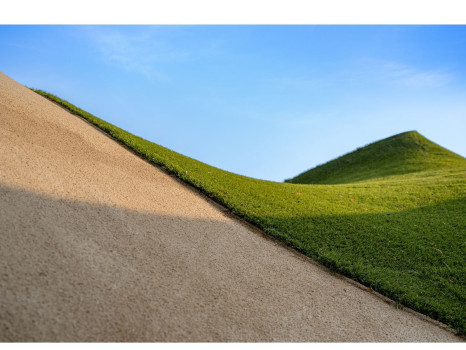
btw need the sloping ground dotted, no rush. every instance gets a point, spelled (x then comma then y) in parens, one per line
(402, 235)
(404, 153)
(98, 245)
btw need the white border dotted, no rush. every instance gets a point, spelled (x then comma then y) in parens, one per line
(233, 12)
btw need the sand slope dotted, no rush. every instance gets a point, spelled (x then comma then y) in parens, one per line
(98, 245)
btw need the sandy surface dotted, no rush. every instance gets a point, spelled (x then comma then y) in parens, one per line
(98, 245)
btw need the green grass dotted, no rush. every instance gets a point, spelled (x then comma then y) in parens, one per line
(404, 153)
(402, 234)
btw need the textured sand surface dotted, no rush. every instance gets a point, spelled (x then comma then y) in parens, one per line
(98, 245)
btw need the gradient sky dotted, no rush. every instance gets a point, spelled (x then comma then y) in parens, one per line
(263, 101)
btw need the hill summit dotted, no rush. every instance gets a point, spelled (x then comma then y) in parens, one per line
(403, 153)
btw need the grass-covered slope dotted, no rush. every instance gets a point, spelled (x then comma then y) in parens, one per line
(403, 235)
(400, 154)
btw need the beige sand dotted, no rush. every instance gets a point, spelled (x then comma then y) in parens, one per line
(98, 245)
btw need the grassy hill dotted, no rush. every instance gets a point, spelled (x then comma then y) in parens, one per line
(404, 153)
(402, 235)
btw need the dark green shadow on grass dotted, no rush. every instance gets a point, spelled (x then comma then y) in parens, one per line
(374, 249)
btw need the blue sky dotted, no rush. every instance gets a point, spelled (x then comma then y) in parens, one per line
(263, 101)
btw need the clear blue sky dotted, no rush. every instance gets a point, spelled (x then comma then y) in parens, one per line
(263, 101)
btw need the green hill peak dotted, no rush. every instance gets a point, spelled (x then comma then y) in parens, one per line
(403, 153)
